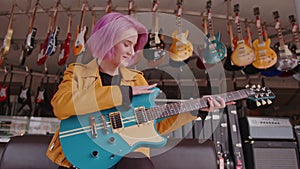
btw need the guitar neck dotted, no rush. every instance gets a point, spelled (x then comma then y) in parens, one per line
(11, 16)
(279, 33)
(190, 105)
(210, 25)
(33, 16)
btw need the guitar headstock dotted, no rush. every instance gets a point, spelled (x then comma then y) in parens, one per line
(276, 15)
(208, 4)
(292, 19)
(236, 8)
(261, 95)
(256, 11)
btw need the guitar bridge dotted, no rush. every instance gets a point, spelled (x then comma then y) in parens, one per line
(116, 120)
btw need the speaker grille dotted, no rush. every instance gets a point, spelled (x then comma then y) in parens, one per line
(275, 158)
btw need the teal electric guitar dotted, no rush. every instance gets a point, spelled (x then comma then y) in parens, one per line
(215, 51)
(100, 139)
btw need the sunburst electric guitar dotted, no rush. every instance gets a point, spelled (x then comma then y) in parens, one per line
(100, 139)
(265, 57)
(181, 49)
(243, 54)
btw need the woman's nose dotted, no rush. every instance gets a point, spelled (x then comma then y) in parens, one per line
(131, 51)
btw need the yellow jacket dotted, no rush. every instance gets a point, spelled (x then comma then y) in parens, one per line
(81, 92)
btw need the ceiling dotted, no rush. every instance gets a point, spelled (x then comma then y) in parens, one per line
(192, 11)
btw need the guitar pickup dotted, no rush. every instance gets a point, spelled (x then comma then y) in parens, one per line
(93, 127)
(116, 120)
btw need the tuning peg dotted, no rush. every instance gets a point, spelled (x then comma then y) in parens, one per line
(259, 86)
(263, 102)
(269, 101)
(258, 103)
(247, 86)
(256, 96)
(261, 94)
(263, 88)
(253, 86)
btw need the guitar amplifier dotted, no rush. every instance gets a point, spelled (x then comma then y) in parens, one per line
(271, 154)
(266, 128)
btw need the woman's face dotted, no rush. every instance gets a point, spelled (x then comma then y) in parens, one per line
(124, 48)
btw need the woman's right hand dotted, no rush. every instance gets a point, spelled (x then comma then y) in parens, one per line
(136, 90)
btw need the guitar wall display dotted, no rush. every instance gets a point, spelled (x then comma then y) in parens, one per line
(29, 43)
(52, 40)
(7, 40)
(81, 32)
(102, 138)
(286, 60)
(265, 57)
(215, 51)
(65, 47)
(181, 49)
(243, 54)
(154, 50)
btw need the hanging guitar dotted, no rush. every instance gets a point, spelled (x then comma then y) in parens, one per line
(295, 48)
(40, 95)
(228, 64)
(265, 57)
(181, 49)
(43, 45)
(4, 87)
(215, 51)
(81, 31)
(7, 40)
(249, 69)
(5, 105)
(272, 71)
(28, 45)
(286, 60)
(52, 40)
(102, 138)
(65, 47)
(154, 49)
(24, 97)
(243, 54)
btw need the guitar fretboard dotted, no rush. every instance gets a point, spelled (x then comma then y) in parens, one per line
(186, 106)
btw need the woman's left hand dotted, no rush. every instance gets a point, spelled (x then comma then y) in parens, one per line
(215, 104)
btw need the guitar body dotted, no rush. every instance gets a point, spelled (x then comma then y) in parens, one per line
(286, 60)
(243, 54)
(64, 50)
(3, 93)
(215, 51)
(265, 56)
(41, 58)
(29, 43)
(79, 44)
(104, 151)
(181, 49)
(6, 44)
(228, 64)
(52, 43)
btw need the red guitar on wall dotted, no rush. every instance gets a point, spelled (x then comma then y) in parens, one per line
(65, 47)
(4, 87)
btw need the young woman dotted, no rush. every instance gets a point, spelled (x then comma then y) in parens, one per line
(105, 82)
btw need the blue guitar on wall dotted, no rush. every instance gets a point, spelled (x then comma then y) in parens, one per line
(100, 139)
(215, 51)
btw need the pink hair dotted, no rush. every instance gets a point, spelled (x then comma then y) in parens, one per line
(108, 28)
